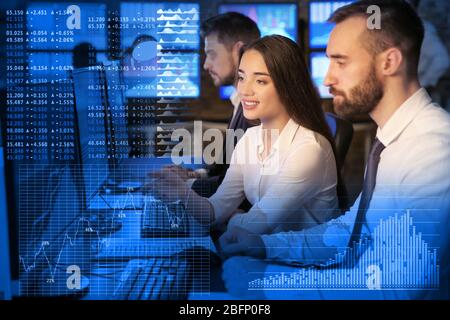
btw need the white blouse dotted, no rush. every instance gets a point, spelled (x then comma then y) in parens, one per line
(293, 188)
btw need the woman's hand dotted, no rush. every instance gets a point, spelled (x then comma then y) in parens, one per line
(183, 173)
(167, 185)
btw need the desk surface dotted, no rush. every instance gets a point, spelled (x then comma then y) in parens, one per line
(102, 275)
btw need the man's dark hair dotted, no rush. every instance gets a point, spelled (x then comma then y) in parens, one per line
(401, 27)
(230, 28)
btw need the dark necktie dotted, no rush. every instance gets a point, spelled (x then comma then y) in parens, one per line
(368, 186)
(233, 122)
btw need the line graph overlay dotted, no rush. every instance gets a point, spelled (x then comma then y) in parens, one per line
(55, 232)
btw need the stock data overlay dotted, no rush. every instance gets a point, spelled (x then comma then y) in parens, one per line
(97, 98)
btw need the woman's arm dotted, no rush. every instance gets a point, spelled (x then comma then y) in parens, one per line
(168, 186)
(199, 208)
(305, 173)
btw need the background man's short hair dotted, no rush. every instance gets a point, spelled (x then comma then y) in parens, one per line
(401, 27)
(230, 28)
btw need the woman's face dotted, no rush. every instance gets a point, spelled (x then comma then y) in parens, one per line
(256, 89)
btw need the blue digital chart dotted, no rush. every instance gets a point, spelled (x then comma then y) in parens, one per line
(395, 257)
(271, 18)
(165, 39)
(93, 93)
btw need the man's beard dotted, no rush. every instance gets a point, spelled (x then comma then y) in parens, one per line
(362, 99)
(228, 80)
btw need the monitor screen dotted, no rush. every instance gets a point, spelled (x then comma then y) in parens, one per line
(52, 66)
(48, 141)
(319, 28)
(177, 24)
(5, 235)
(160, 43)
(91, 123)
(59, 25)
(271, 18)
(319, 66)
(50, 215)
(117, 112)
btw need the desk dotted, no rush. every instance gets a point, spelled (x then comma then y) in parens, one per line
(67, 248)
(105, 273)
(79, 250)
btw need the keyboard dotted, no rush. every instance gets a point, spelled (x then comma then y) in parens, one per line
(117, 248)
(161, 220)
(156, 278)
(130, 201)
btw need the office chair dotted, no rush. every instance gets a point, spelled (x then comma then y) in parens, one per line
(342, 131)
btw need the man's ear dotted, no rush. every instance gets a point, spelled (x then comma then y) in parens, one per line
(236, 49)
(391, 61)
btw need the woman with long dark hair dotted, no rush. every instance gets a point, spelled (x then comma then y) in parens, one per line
(286, 166)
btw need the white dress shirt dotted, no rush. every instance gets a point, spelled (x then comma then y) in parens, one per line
(235, 101)
(413, 174)
(293, 188)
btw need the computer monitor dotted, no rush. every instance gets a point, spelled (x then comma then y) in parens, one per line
(51, 225)
(5, 263)
(40, 193)
(319, 28)
(160, 47)
(319, 63)
(91, 123)
(271, 18)
(53, 136)
(116, 112)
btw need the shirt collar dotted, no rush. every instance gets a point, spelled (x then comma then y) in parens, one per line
(234, 98)
(284, 139)
(403, 116)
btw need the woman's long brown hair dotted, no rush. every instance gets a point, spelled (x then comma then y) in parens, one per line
(290, 75)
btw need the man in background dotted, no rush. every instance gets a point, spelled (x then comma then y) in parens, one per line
(224, 36)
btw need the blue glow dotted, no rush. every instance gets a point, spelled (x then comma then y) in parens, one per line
(168, 64)
(271, 18)
(319, 63)
(47, 26)
(319, 28)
